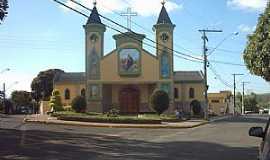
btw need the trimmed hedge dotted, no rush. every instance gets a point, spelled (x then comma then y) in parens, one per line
(78, 104)
(159, 101)
(100, 119)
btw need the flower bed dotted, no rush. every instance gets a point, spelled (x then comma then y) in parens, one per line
(102, 118)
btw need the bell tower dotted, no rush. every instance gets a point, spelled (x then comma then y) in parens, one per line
(164, 49)
(94, 51)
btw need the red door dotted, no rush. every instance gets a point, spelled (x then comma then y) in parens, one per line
(129, 100)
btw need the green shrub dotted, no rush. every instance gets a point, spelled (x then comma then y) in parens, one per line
(113, 112)
(55, 101)
(78, 104)
(159, 101)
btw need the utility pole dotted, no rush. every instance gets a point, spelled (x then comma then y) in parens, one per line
(234, 87)
(205, 39)
(4, 97)
(243, 98)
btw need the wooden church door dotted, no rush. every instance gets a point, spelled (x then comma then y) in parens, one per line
(129, 99)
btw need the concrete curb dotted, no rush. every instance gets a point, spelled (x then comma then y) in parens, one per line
(221, 118)
(109, 125)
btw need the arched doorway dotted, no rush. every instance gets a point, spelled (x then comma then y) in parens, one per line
(196, 108)
(129, 100)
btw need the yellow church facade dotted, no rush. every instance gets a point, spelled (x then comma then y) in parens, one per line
(127, 76)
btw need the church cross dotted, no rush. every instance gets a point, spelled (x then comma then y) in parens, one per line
(129, 14)
(163, 2)
(95, 2)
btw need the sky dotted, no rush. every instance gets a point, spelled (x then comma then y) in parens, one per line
(40, 34)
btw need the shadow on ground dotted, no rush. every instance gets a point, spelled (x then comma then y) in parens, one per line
(38, 145)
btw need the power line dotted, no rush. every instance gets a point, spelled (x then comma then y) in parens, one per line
(221, 42)
(226, 63)
(219, 77)
(108, 19)
(226, 50)
(145, 29)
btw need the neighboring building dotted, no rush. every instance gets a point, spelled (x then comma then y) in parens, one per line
(128, 75)
(221, 103)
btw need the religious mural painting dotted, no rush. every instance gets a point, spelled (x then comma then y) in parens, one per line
(94, 91)
(94, 58)
(129, 62)
(165, 66)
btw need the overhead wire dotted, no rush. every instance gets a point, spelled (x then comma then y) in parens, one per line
(108, 19)
(187, 56)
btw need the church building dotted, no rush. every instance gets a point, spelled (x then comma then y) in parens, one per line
(127, 76)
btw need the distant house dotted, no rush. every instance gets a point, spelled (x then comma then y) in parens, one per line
(221, 103)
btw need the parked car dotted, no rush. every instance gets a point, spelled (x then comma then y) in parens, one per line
(264, 148)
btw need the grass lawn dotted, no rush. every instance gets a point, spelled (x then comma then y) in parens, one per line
(98, 117)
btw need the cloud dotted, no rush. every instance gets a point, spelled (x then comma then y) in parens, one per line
(142, 7)
(245, 28)
(250, 5)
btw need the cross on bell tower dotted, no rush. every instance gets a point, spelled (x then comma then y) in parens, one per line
(129, 14)
(163, 2)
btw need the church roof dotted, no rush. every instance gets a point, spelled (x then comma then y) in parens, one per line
(94, 17)
(79, 77)
(188, 76)
(70, 77)
(163, 17)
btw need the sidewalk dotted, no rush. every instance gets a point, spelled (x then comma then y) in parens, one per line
(52, 120)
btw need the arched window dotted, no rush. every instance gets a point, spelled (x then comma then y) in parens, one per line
(191, 93)
(176, 93)
(83, 92)
(67, 94)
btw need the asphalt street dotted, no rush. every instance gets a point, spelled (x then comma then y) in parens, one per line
(225, 139)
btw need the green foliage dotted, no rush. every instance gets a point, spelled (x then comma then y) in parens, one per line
(257, 51)
(55, 101)
(196, 107)
(1, 106)
(263, 105)
(78, 104)
(43, 83)
(159, 101)
(250, 103)
(8, 106)
(113, 112)
(21, 98)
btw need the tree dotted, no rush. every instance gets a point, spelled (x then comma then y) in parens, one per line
(159, 101)
(55, 101)
(8, 106)
(3, 9)
(250, 103)
(21, 98)
(257, 52)
(42, 85)
(78, 104)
